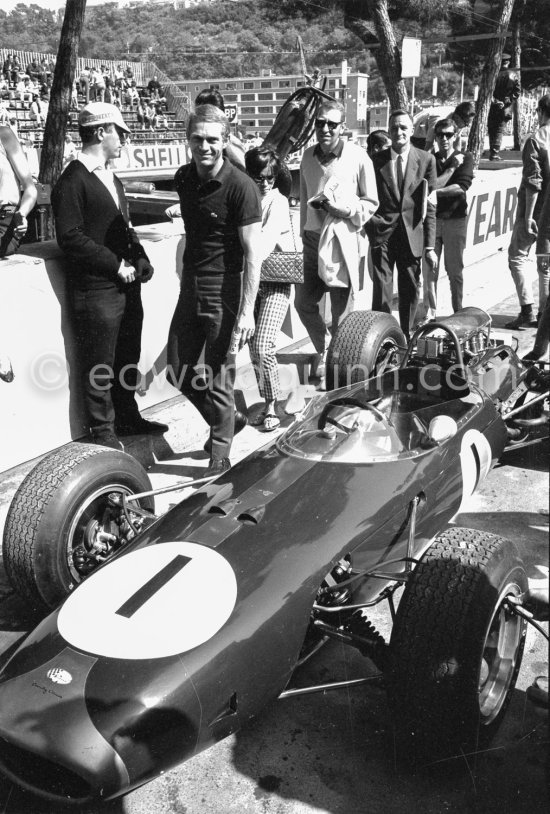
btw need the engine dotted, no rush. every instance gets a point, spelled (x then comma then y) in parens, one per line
(435, 342)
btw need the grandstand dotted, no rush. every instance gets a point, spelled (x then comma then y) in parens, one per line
(18, 111)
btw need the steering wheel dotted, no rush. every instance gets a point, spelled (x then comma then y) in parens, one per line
(365, 405)
(327, 419)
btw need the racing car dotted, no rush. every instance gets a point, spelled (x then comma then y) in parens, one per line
(166, 634)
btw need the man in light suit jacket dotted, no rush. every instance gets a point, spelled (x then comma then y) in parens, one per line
(106, 266)
(402, 229)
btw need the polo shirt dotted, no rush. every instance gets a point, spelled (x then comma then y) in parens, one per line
(326, 158)
(212, 212)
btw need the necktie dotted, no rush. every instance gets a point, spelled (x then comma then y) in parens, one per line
(399, 169)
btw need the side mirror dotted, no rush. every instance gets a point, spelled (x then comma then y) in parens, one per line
(441, 428)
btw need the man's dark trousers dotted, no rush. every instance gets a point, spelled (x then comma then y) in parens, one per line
(204, 317)
(396, 251)
(108, 326)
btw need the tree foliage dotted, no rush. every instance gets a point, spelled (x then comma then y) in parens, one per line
(226, 38)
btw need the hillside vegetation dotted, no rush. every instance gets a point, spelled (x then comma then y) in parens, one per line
(229, 38)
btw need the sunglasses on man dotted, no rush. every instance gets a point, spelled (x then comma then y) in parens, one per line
(320, 123)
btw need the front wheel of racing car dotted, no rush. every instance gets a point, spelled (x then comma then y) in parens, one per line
(365, 344)
(456, 647)
(66, 518)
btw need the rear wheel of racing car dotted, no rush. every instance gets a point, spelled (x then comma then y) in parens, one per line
(365, 343)
(66, 518)
(456, 648)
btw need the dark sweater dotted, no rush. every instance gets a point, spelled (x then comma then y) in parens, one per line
(455, 206)
(92, 232)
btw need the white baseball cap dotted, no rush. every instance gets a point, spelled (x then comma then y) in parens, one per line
(96, 113)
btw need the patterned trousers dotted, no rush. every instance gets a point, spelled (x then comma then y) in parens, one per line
(269, 312)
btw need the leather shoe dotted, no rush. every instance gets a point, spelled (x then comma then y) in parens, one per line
(6, 370)
(106, 438)
(525, 319)
(239, 423)
(217, 466)
(141, 426)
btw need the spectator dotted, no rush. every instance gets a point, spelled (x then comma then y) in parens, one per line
(4, 89)
(33, 70)
(272, 301)
(132, 95)
(39, 110)
(155, 89)
(150, 115)
(16, 69)
(507, 88)
(111, 95)
(44, 72)
(403, 227)
(69, 150)
(160, 121)
(348, 169)
(145, 114)
(120, 82)
(17, 192)
(532, 189)
(25, 90)
(8, 69)
(74, 96)
(97, 85)
(214, 309)
(4, 112)
(455, 172)
(106, 265)
(424, 123)
(377, 141)
(234, 149)
(84, 80)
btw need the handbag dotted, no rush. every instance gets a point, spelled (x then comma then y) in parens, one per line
(283, 267)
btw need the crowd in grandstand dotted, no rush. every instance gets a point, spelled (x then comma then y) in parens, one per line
(25, 88)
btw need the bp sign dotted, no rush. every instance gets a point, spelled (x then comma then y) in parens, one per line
(231, 112)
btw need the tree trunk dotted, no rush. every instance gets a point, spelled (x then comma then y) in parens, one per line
(51, 160)
(488, 78)
(387, 54)
(516, 64)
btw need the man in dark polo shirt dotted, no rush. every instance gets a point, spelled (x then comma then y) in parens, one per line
(221, 210)
(455, 172)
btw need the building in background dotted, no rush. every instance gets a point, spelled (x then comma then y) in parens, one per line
(258, 99)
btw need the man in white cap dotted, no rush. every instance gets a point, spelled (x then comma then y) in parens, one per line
(106, 266)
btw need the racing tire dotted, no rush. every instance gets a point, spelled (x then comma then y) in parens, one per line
(365, 343)
(57, 506)
(456, 648)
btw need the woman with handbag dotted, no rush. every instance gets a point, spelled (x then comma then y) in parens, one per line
(265, 168)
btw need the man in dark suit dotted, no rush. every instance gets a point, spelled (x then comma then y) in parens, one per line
(402, 229)
(507, 89)
(106, 266)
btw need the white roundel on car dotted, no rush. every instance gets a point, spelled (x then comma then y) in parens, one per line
(475, 462)
(151, 603)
